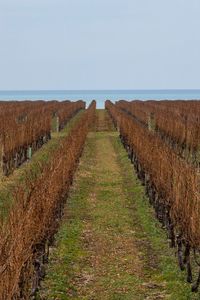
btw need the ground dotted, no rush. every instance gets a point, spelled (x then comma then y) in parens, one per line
(110, 246)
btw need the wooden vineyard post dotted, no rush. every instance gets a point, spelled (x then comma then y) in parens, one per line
(151, 122)
(29, 152)
(118, 124)
(57, 123)
(1, 157)
(198, 159)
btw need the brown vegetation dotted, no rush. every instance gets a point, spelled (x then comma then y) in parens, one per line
(28, 124)
(26, 235)
(171, 183)
(176, 122)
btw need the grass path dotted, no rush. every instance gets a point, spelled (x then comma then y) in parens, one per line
(103, 121)
(110, 247)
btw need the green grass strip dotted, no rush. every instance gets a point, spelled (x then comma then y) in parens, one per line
(68, 253)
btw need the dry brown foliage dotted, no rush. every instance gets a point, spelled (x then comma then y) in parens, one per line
(28, 123)
(177, 121)
(36, 212)
(176, 182)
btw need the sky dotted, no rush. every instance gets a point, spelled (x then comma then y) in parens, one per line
(99, 44)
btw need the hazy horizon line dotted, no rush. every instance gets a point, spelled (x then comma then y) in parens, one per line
(93, 90)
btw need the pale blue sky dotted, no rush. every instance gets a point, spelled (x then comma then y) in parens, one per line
(99, 44)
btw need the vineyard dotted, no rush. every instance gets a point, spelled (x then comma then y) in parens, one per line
(26, 126)
(75, 219)
(162, 141)
(29, 224)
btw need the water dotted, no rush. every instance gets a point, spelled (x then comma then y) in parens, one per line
(101, 96)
